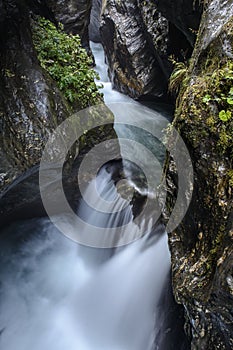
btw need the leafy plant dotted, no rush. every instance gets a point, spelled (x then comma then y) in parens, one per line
(178, 76)
(62, 56)
(220, 99)
(224, 115)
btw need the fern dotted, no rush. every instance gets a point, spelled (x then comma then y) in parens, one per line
(177, 77)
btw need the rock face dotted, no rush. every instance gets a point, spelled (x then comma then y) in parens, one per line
(74, 15)
(184, 14)
(31, 107)
(94, 27)
(135, 36)
(201, 247)
(138, 38)
(30, 104)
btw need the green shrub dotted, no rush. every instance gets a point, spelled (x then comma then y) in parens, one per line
(62, 56)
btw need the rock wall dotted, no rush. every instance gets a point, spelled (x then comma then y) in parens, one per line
(138, 38)
(94, 27)
(184, 14)
(74, 15)
(201, 247)
(31, 105)
(135, 66)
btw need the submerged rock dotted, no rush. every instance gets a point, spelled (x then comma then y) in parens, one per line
(201, 247)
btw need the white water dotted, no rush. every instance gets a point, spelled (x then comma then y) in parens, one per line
(58, 295)
(54, 298)
(110, 95)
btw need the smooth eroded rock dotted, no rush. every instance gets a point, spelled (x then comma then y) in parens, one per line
(94, 27)
(74, 15)
(135, 39)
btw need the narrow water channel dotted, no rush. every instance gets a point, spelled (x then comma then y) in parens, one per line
(56, 294)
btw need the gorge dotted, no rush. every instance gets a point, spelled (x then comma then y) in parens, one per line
(148, 45)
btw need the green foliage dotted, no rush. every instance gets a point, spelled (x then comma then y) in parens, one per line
(206, 98)
(224, 115)
(221, 95)
(221, 81)
(62, 56)
(220, 98)
(230, 175)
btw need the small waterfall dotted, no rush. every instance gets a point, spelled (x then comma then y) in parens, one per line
(56, 294)
(110, 95)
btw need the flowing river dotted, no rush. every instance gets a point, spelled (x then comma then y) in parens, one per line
(56, 294)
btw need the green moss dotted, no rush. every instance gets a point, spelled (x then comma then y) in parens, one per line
(62, 56)
(230, 176)
(207, 107)
(220, 99)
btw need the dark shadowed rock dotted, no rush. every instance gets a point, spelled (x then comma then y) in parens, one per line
(30, 103)
(184, 14)
(138, 38)
(74, 15)
(94, 27)
(135, 39)
(31, 107)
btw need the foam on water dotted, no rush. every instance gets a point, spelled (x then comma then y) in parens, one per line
(56, 294)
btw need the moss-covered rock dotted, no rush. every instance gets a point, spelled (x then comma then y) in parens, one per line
(33, 102)
(63, 57)
(201, 247)
(31, 105)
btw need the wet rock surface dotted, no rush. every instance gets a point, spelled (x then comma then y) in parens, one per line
(201, 247)
(94, 27)
(74, 15)
(184, 14)
(30, 103)
(138, 38)
(31, 107)
(135, 66)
